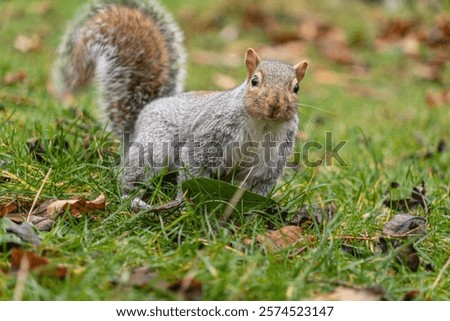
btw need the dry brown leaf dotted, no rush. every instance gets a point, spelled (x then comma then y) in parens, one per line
(77, 207)
(14, 77)
(342, 293)
(37, 263)
(34, 259)
(24, 43)
(7, 208)
(44, 216)
(284, 237)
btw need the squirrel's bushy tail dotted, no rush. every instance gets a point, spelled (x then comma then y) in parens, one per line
(134, 50)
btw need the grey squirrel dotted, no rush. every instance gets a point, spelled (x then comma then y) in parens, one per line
(134, 50)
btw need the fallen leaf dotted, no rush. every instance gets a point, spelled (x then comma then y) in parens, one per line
(77, 207)
(14, 77)
(284, 237)
(35, 260)
(44, 216)
(342, 293)
(37, 263)
(416, 199)
(402, 225)
(189, 289)
(24, 43)
(7, 208)
(23, 230)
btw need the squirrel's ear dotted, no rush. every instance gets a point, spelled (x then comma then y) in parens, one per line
(300, 70)
(252, 61)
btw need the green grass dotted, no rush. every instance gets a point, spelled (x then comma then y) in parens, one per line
(382, 129)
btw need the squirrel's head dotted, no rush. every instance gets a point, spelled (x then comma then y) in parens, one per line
(272, 88)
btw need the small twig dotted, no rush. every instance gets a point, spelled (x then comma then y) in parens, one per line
(297, 252)
(441, 273)
(38, 194)
(22, 275)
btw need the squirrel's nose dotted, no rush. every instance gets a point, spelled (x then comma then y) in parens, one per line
(275, 101)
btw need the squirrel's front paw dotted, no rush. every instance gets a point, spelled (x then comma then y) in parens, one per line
(137, 204)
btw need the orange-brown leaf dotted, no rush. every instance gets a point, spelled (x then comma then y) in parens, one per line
(34, 259)
(37, 263)
(14, 77)
(7, 208)
(77, 207)
(284, 237)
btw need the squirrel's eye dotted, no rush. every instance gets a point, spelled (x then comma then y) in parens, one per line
(255, 81)
(296, 88)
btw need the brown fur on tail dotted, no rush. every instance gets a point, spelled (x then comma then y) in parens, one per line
(133, 50)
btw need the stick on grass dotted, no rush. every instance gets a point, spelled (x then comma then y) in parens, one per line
(38, 193)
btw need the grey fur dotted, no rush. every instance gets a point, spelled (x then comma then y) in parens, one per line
(219, 118)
